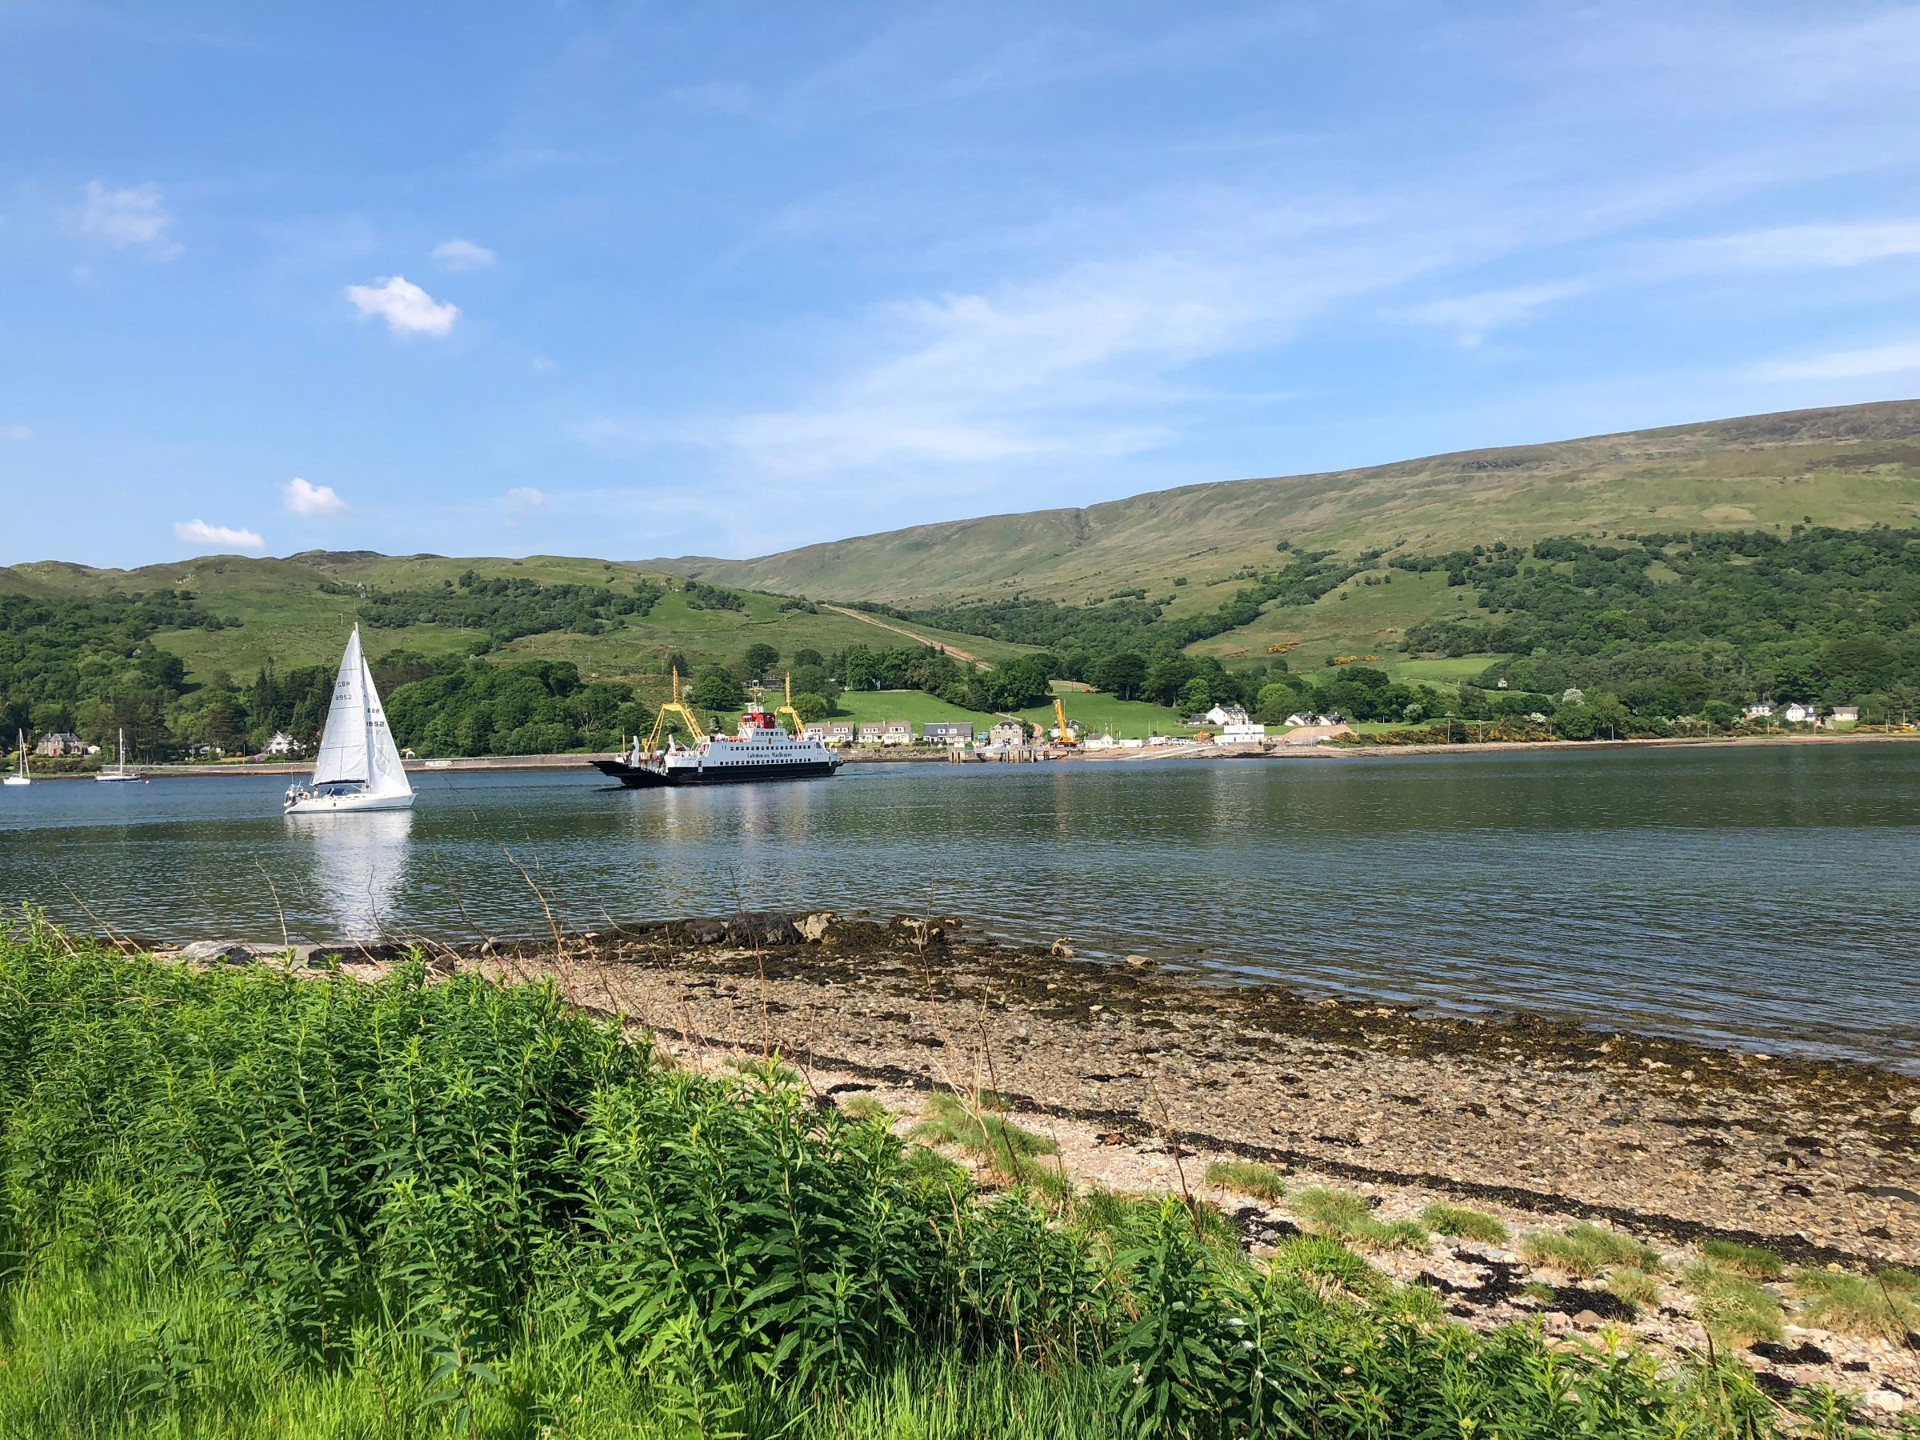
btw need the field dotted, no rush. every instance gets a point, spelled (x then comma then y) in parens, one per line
(1356, 619)
(1090, 712)
(246, 1204)
(874, 706)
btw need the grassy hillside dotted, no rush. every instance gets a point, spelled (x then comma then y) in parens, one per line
(1849, 467)
(297, 611)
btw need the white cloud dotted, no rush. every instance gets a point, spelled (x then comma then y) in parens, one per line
(132, 217)
(463, 255)
(1475, 316)
(15, 431)
(527, 497)
(1813, 247)
(305, 499)
(542, 364)
(407, 309)
(1897, 359)
(199, 532)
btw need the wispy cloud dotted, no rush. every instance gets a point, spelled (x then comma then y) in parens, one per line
(407, 309)
(304, 498)
(1474, 317)
(1810, 247)
(199, 532)
(526, 497)
(462, 256)
(1901, 358)
(130, 217)
(15, 431)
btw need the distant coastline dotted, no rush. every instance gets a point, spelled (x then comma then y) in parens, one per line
(582, 759)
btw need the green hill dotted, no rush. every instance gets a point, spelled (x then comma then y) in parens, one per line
(297, 611)
(1848, 467)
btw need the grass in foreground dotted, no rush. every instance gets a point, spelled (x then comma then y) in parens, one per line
(1735, 1310)
(1463, 1224)
(243, 1204)
(1343, 1215)
(1885, 1306)
(1583, 1251)
(1248, 1177)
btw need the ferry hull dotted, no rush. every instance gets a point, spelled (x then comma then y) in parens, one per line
(641, 777)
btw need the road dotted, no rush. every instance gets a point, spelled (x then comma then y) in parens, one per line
(954, 651)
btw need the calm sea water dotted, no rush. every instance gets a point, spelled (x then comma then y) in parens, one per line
(1765, 897)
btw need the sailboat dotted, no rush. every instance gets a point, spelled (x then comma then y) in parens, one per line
(119, 771)
(359, 766)
(20, 775)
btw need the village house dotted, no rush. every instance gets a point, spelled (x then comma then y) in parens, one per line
(1307, 717)
(1798, 714)
(1101, 741)
(1759, 711)
(1224, 715)
(1007, 733)
(283, 744)
(948, 732)
(1245, 732)
(1843, 715)
(871, 732)
(60, 743)
(896, 732)
(832, 732)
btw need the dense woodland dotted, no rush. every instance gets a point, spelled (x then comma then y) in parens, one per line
(1671, 623)
(506, 609)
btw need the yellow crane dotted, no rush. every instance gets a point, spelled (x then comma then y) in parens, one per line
(799, 725)
(677, 708)
(1067, 737)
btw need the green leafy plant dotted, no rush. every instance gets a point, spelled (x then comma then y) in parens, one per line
(1249, 1177)
(1585, 1250)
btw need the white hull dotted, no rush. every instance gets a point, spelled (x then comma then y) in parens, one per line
(340, 804)
(116, 779)
(16, 780)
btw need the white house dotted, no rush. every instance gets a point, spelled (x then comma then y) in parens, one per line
(832, 732)
(1305, 717)
(1798, 714)
(1007, 732)
(1100, 741)
(283, 744)
(1224, 715)
(1760, 711)
(1247, 732)
(948, 732)
(1843, 715)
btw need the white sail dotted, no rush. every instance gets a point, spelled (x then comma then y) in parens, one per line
(385, 774)
(343, 745)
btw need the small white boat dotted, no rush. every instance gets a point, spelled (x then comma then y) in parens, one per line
(20, 775)
(359, 765)
(119, 771)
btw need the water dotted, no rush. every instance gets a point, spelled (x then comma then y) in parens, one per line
(1761, 896)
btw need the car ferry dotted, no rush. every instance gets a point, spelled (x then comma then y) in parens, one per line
(758, 750)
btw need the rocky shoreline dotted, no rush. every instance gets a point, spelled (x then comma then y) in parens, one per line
(1131, 1066)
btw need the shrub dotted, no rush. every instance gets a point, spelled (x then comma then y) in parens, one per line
(1343, 1215)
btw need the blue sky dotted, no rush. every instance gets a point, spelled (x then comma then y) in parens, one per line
(657, 279)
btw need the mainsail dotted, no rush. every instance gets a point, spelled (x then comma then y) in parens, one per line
(343, 745)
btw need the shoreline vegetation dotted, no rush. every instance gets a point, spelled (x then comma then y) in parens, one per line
(1362, 746)
(819, 1175)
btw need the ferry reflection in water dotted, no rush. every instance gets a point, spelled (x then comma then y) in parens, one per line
(358, 869)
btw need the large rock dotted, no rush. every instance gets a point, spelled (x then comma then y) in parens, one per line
(814, 928)
(219, 952)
